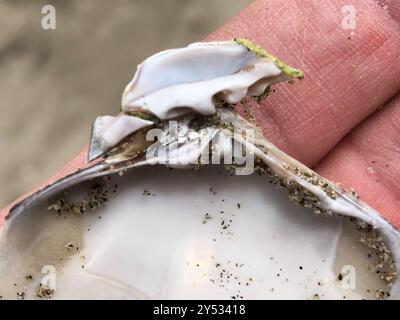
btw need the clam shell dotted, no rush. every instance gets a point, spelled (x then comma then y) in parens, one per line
(152, 249)
(191, 244)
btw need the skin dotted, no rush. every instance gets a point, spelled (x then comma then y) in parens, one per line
(343, 119)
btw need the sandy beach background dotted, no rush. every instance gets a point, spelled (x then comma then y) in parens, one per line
(54, 83)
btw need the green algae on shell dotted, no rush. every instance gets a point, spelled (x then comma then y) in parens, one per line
(257, 49)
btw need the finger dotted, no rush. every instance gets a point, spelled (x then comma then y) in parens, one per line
(368, 160)
(392, 7)
(347, 76)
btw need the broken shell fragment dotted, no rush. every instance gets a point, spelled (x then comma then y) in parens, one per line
(205, 73)
(176, 82)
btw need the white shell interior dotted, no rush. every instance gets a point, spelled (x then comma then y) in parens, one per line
(154, 240)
